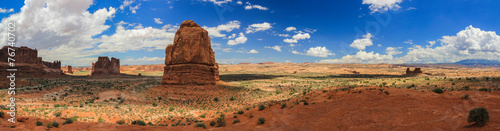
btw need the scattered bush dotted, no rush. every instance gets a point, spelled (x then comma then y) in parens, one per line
(216, 99)
(236, 121)
(2, 113)
(478, 115)
(283, 106)
(68, 121)
(386, 92)
(39, 123)
(483, 89)
(203, 115)
(438, 90)
(201, 125)
(465, 97)
(306, 103)
(262, 107)
(57, 114)
(261, 121)
(49, 125)
(241, 112)
(212, 123)
(55, 124)
(154, 104)
(221, 121)
(139, 122)
(100, 119)
(120, 122)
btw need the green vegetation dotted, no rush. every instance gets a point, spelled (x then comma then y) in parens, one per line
(438, 90)
(139, 122)
(57, 114)
(262, 107)
(55, 124)
(201, 125)
(39, 123)
(221, 121)
(478, 115)
(261, 121)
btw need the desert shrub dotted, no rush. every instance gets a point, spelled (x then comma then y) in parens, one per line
(55, 124)
(2, 113)
(212, 123)
(465, 97)
(49, 125)
(236, 121)
(251, 115)
(154, 104)
(483, 89)
(216, 99)
(122, 121)
(478, 115)
(100, 119)
(151, 124)
(306, 103)
(57, 114)
(232, 98)
(171, 108)
(283, 105)
(261, 121)
(68, 121)
(203, 115)
(262, 107)
(221, 121)
(200, 125)
(386, 92)
(139, 122)
(466, 88)
(438, 90)
(241, 112)
(39, 123)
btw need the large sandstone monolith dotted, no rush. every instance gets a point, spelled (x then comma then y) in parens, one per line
(27, 62)
(190, 60)
(104, 66)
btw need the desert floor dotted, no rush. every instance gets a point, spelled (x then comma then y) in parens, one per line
(288, 96)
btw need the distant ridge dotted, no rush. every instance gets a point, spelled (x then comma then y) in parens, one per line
(479, 62)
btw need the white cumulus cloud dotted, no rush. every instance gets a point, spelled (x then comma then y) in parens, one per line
(228, 27)
(276, 47)
(382, 5)
(361, 44)
(158, 21)
(319, 52)
(258, 27)
(253, 51)
(249, 6)
(240, 40)
(2, 10)
(291, 28)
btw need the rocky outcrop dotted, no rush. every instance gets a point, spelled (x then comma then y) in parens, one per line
(28, 63)
(105, 66)
(53, 65)
(190, 60)
(414, 72)
(67, 69)
(23, 54)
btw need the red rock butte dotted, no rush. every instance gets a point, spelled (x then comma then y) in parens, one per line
(104, 66)
(28, 63)
(190, 60)
(416, 71)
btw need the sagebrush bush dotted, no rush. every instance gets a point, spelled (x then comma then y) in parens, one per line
(479, 115)
(262, 107)
(68, 121)
(201, 125)
(139, 122)
(212, 123)
(57, 114)
(261, 121)
(55, 124)
(438, 90)
(39, 123)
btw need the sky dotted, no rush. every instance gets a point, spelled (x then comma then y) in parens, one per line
(321, 31)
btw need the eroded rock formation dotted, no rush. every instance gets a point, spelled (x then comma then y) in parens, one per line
(28, 63)
(190, 60)
(105, 66)
(416, 71)
(53, 65)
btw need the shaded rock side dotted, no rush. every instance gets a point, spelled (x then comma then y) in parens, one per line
(105, 66)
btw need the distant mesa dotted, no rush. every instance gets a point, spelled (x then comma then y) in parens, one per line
(414, 72)
(28, 63)
(190, 60)
(269, 62)
(242, 63)
(67, 69)
(105, 66)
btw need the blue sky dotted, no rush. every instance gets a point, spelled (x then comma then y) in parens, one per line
(353, 31)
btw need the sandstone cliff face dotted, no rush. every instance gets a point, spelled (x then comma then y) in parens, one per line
(105, 66)
(53, 65)
(190, 60)
(28, 63)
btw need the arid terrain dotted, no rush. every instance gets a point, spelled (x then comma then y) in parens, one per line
(288, 96)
